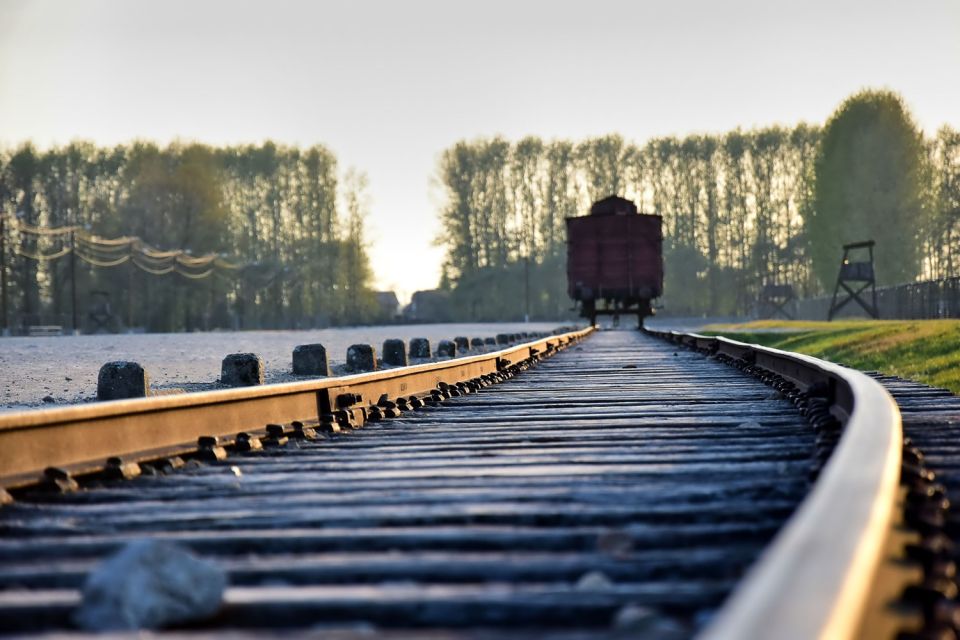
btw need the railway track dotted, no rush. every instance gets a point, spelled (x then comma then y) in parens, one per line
(931, 479)
(626, 485)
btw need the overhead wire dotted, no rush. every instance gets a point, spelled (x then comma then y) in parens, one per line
(112, 242)
(151, 252)
(112, 252)
(100, 247)
(225, 264)
(156, 272)
(42, 257)
(106, 253)
(103, 263)
(152, 261)
(25, 227)
(192, 261)
(194, 276)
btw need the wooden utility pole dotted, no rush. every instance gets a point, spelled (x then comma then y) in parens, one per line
(73, 280)
(3, 275)
(526, 289)
(130, 289)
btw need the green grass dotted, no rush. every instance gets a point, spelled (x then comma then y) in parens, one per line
(924, 350)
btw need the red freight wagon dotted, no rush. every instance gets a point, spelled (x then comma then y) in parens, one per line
(614, 258)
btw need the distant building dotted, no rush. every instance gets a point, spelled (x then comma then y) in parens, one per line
(389, 306)
(432, 305)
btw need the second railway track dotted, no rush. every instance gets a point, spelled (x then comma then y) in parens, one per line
(624, 484)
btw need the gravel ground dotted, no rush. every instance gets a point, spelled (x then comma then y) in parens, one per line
(41, 372)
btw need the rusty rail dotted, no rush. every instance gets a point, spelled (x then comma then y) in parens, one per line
(80, 439)
(815, 578)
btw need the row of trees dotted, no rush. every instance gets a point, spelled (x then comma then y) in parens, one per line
(284, 217)
(739, 209)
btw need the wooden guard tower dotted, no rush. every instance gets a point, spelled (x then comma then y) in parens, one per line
(856, 277)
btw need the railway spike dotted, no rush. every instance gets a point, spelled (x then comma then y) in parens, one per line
(930, 592)
(117, 469)
(246, 442)
(210, 449)
(169, 465)
(946, 613)
(58, 480)
(276, 436)
(329, 423)
(930, 548)
(303, 432)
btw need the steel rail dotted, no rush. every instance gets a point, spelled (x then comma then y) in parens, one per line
(80, 439)
(814, 580)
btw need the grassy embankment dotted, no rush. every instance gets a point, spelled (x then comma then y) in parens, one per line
(924, 350)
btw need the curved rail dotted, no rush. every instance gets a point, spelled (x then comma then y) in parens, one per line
(80, 439)
(814, 579)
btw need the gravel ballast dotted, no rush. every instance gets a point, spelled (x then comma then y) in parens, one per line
(64, 369)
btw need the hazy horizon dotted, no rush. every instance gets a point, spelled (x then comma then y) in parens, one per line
(388, 86)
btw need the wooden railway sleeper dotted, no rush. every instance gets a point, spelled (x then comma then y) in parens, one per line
(812, 403)
(826, 396)
(926, 511)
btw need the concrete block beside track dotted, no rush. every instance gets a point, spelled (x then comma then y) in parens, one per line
(311, 360)
(395, 352)
(361, 357)
(420, 348)
(121, 380)
(242, 370)
(446, 349)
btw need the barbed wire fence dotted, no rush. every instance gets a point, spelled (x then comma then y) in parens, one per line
(76, 242)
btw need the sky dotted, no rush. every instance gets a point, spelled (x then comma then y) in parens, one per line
(388, 85)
